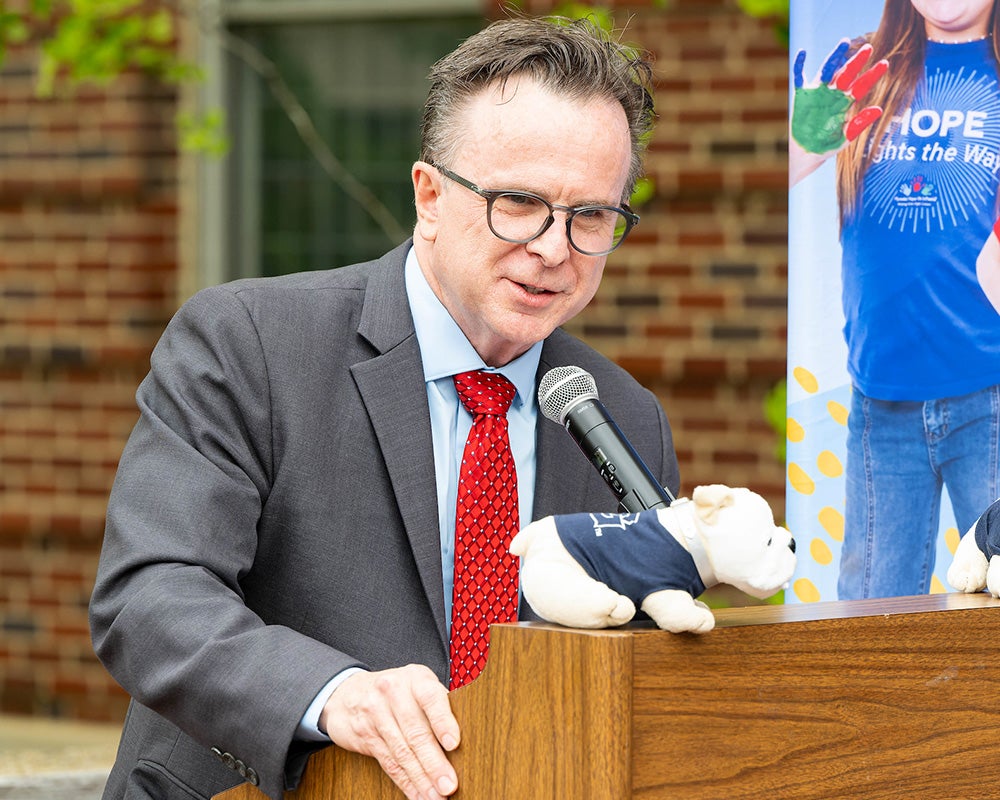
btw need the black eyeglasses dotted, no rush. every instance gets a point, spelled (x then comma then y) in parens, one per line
(521, 217)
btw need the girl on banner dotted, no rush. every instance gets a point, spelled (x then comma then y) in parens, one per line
(917, 183)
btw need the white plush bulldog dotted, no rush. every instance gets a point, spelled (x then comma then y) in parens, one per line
(592, 570)
(976, 564)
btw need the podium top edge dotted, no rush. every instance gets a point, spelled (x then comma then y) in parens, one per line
(802, 612)
(847, 609)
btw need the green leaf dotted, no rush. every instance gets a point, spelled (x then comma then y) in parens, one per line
(205, 134)
(47, 69)
(776, 414)
(41, 8)
(180, 72)
(149, 58)
(765, 8)
(776, 10)
(602, 17)
(160, 27)
(13, 28)
(643, 192)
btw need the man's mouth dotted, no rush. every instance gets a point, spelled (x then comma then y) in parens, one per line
(532, 289)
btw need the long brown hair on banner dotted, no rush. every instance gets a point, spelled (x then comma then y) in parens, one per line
(902, 39)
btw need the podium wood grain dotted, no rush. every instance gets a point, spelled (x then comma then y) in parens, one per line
(888, 699)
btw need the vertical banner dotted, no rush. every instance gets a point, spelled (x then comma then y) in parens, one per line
(929, 193)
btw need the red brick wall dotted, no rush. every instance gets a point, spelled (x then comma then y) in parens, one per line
(694, 305)
(88, 263)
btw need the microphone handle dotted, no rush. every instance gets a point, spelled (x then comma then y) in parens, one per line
(602, 441)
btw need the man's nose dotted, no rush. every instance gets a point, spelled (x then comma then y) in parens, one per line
(553, 245)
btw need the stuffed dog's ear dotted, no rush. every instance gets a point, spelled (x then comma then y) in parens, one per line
(709, 499)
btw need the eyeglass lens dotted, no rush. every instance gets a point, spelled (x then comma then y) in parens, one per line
(522, 217)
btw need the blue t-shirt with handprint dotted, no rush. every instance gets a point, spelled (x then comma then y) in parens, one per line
(918, 326)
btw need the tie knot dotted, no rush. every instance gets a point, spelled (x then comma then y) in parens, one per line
(485, 392)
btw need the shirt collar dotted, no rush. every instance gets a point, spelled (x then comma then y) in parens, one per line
(444, 348)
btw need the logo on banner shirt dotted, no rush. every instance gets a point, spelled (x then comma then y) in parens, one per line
(938, 163)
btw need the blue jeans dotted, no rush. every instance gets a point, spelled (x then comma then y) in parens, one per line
(899, 456)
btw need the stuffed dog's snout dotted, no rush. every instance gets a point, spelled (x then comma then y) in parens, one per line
(791, 540)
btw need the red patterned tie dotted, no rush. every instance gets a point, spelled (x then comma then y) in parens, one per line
(485, 521)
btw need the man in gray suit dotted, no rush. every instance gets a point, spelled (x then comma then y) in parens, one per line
(277, 564)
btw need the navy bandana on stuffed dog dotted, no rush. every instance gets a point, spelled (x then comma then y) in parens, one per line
(633, 553)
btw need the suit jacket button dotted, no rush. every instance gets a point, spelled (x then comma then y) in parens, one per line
(229, 760)
(217, 753)
(252, 776)
(241, 768)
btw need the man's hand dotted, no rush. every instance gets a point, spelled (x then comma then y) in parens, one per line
(402, 718)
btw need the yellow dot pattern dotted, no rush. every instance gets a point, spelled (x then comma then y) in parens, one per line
(951, 539)
(838, 412)
(817, 438)
(794, 432)
(829, 464)
(806, 591)
(806, 379)
(800, 480)
(820, 551)
(833, 523)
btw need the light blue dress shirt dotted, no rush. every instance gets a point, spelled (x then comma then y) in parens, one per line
(445, 351)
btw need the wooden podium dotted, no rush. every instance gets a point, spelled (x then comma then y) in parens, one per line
(896, 698)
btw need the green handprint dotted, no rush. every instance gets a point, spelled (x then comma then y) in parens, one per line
(819, 112)
(818, 118)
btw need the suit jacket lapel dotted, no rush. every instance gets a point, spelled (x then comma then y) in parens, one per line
(392, 388)
(557, 489)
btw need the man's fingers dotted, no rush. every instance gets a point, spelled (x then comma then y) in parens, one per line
(445, 728)
(414, 761)
(387, 715)
(433, 699)
(420, 745)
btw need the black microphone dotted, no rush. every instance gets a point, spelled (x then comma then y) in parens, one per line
(568, 395)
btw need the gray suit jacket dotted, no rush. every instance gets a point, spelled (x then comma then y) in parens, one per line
(274, 519)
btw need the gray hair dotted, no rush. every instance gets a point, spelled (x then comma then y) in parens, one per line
(574, 58)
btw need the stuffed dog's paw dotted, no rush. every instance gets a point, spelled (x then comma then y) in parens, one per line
(977, 559)
(558, 589)
(676, 611)
(968, 570)
(993, 577)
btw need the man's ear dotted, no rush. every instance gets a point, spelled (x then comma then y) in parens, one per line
(426, 197)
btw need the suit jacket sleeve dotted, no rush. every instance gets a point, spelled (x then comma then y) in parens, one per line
(168, 613)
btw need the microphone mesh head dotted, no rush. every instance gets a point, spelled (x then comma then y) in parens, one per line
(562, 388)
